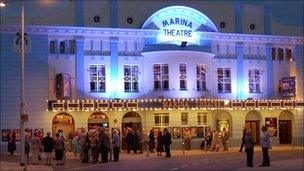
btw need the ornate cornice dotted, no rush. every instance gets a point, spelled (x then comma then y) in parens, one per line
(145, 33)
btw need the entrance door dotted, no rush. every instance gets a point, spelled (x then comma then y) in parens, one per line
(255, 130)
(285, 131)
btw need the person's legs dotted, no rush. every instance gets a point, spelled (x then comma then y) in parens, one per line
(266, 161)
(249, 153)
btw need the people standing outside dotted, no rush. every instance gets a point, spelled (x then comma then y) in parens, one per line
(11, 137)
(27, 144)
(242, 145)
(146, 142)
(141, 140)
(116, 145)
(75, 145)
(94, 146)
(104, 144)
(129, 140)
(224, 138)
(135, 141)
(48, 145)
(160, 144)
(151, 141)
(59, 148)
(84, 147)
(265, 144)
(167, 142)
(35, 147)
(215, 141)
(249, 146)
(187, 137)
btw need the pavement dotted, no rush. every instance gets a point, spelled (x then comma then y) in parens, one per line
(11, 163)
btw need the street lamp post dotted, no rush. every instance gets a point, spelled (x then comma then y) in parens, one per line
(22, 92)
(23, 162)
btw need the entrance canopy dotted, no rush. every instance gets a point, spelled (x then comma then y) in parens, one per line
(179, 24)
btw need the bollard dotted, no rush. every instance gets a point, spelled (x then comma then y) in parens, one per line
(227, 145)
(183, 146)
(205, 146)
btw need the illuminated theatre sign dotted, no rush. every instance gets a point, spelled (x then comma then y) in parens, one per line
(179, 23)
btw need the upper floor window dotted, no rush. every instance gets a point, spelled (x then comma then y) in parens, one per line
(184, 118)
(280, 54)
(254, 76)
(182, 76)
(97, 78)
(52, 46)
(223, 80)
(72, 44)
(201, 119)
(62, 47)
(289, 55)
(161, 119)
(161, 77)
(273, 53)
(131, 78)
(201, 77)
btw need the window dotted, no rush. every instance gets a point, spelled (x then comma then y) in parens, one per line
(184, 118)
(182, 76)
(289, 55)
(62, 47)
(131, 78)
(254, 76)
(97, 78)
(201, 77)
(281, 54)
(201, 119)
(72, 46)
(52, 46)
(223, 80)
(273, 53)
(161, 119)
(161, 77)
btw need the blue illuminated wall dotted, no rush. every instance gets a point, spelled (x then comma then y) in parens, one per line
(36, 82)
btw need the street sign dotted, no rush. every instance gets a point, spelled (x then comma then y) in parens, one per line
(24, 117)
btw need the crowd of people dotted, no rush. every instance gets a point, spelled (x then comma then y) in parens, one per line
(91, 144)
(142, 140)
(213, 138)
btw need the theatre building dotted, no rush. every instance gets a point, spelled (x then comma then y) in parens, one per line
(177, 70)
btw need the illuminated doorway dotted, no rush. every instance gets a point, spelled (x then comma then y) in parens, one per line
(98, 120)
(64, 122)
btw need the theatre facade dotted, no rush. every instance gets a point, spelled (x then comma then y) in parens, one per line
(177, 71)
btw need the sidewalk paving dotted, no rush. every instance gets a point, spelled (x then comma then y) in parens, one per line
(11, 163)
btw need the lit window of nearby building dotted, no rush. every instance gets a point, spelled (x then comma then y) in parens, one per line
(161, 119)
(52, 47)
(254, 76)
(184, 118)
(183, 76)
(280, 54)
(161, 77)
(131, 78)
(201, 119)
(223, 80)
(201, 77)
(97, 78)
(289, 55)
(62, 47)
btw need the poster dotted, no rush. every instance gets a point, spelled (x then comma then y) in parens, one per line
(176, 132)
(271, 124)
(287, 87)
(200, 132)
(17, 134)
(222, 123)
(185, 131)
(4, 134)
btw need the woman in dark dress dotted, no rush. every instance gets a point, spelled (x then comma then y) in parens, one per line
(151, 142)
(11, 137)
(160, 144)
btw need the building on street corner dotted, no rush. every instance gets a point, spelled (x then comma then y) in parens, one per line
(195, 65)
